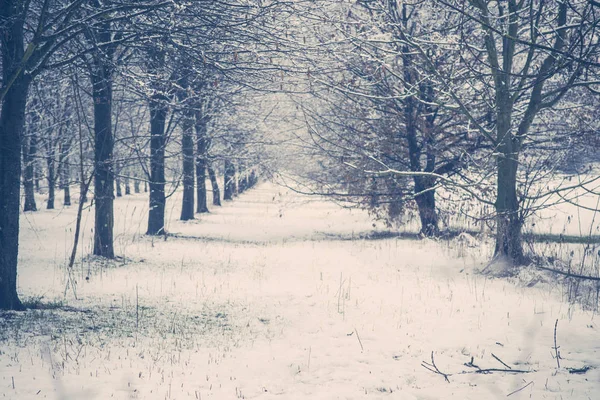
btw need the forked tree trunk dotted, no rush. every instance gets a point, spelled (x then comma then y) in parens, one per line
(508, 221)
(156, 215)
(216, 192)
(187, 148)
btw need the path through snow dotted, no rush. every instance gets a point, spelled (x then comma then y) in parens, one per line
(271, 297)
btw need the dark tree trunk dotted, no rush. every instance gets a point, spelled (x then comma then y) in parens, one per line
(508, 221)
(103, 158)
(118, 182)
(253, 178)
(202, 147)
(241, 178)
(12, 120)
(67, 194)
(136, 183)
(81, 190)
(187, 147)
(29, 149)
(229, 178)
(156, 215)
(127, 186)
(145, 187)
(65, 172)
(82, 178)
(51, 185)
(236, 180)
(51, 172)
(37, 175)
(425, 199)
(216, 192)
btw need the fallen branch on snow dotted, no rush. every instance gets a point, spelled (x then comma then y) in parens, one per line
(433, 368)
(569, 274)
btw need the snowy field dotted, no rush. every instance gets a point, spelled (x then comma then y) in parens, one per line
(278, 296)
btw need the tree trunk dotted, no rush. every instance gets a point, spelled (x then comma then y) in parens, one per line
(118, 185)
(67, 194)
(37, 175)
(202, 145)
(236, 180)
(187, 147)
(229, 177)
(426, 204)
(12, 120)
(103, 160)
(28, 175)
(65, 172)
(508, 221)
(216, 192)
(51, 185)
(136, 181)
(127, 186)
(156, 215)
(51, 173)
(425, 200)
(242, 181)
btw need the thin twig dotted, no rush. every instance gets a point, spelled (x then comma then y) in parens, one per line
(518, 390)
(490, 370)
(501, 362)
(359, 341)
(555, 346)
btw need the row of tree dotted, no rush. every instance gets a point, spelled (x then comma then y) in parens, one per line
(390, 102)
(484, 99)
(104, 92)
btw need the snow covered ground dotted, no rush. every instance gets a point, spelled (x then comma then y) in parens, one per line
(279, 296)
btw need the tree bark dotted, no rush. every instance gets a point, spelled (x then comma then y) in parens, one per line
(51, 178)
(156, 215)
(187, 147)
(50, 169)
(29, 148)
(508, 221)
(242, 178)
(202, 146)
(118, 180)
(216, 192)
(12, 121)
(127, 186)
(136, 183)
(229, 177)
(425, 200)
(103, 159)
(65, 172)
